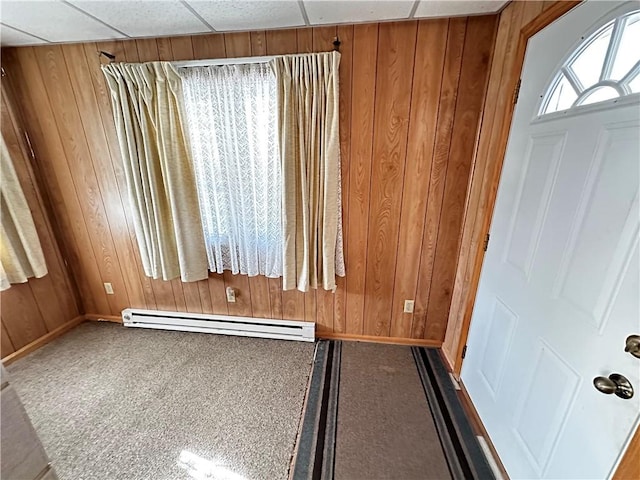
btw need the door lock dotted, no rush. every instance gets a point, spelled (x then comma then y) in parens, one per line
(616, 383)
(632, 345)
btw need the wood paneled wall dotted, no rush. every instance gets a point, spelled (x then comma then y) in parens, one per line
(412, 94)
(33, 309)
(496, 120)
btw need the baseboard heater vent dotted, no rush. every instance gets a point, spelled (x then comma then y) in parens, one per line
(220, 324)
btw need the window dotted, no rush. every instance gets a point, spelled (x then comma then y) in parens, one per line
(604, 67)
(231, 117)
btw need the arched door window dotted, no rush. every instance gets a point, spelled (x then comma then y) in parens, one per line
(605, 66)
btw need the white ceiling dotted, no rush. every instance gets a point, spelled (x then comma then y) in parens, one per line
(33, 22)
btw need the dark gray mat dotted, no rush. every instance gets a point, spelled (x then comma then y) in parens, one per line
(113, 402)
(385, 428)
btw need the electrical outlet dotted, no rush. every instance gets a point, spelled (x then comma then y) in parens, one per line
(231, 295)
(408, 306)
(108, 288)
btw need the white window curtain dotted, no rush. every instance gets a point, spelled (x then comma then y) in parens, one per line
(231, 117)
(308, 125)
(21, 255)
(148, 113)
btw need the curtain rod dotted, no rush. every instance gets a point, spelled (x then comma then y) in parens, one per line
(222, 61)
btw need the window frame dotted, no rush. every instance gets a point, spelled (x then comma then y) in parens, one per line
(564, 71)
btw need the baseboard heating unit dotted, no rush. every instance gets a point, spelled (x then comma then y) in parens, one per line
(220, 324)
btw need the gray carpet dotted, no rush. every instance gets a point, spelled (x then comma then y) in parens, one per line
(111, 402)
(385, 428)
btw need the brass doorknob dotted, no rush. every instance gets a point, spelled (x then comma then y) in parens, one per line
(632, 345)
(616, 383)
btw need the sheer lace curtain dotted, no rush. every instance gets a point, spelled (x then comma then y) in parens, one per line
(232, 119)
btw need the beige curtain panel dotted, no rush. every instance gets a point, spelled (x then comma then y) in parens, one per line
(148, 111)
(308, 123)
(21, 255)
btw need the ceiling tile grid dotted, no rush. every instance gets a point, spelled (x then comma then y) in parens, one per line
(447, 8)
(54, 22)
(145, 18)
(333, 12)
(11, 36)
(249, 15)
(32, 22)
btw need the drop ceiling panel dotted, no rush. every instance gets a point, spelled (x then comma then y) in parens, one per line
(332, 12)
(251, 15)
(10, 36)
(449, 8)
(54, 21)
(144, 18)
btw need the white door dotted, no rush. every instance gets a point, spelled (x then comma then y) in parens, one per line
(559, 289)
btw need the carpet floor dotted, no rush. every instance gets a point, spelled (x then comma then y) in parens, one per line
(111, 402)
(385, 429)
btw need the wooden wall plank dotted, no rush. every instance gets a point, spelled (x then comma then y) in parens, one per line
(205, 296)
(305, 40)
(24, 75)
(477, 53)
(345, 34)
(531, 10)
(260, 298)
(165, 52)
(275, 297)
(51, 292)
(192, 297)
(6, 347)
(182, 48)
(41, 305)
(365, 48)
(396, 131)
(323, 38)
(280, 42)
(443, 140)
(217, 294)
(163, 292)
(59, 90)
(258, 44)
(208, 46)
(469, 228)
(130, 49)
(240, 283)
(103, 163)
(47, 144)
(396, 47)
(425, 101)
(21, 316)
(237, 44)
(147, 50)
(178, 295)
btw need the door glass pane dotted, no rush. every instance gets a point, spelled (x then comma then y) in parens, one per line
(634, 84)
(600, 94)
(629, 50)
(562, 98)
(588, 65)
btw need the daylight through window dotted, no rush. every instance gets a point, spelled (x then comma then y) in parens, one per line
(605, 66)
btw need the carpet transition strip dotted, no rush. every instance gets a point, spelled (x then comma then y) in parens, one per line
(463, 451)
(379, 411)
(316, 443)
